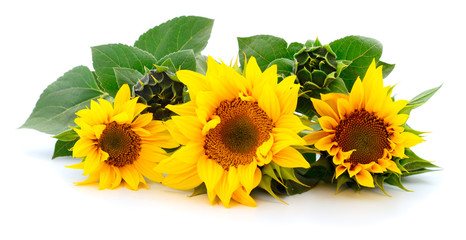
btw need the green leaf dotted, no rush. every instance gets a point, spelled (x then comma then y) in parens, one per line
(183, 59)
(67, 136)
(387, 68)
(419, 100)
(284, 66)
(361, 51)
(185, 32)
(55, 110)
(201, 64)
(62, 148)
(413, 162)
(107, 57)
(126, 75)
(265, 48)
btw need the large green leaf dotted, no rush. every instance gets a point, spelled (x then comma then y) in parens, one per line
(361, 51)
(55, 110)
(265, 48)
(107, 57)
(186, 32)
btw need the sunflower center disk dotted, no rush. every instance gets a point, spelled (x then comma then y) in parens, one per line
(243, 127)
(364, 132)
(121, 143)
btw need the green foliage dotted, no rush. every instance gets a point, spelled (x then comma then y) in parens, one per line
(181, 33)
(419, 100)
(65, 141)
(55, 110)
(107, 57)
(360, 51)
(265, 48)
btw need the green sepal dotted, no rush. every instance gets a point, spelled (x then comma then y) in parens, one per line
(343, 179)
(395, 180)
(199, 190)
(266, 184)
(379, 179)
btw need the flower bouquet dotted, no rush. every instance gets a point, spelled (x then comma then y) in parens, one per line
(282, 118)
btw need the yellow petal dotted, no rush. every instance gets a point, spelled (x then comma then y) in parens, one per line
(227, 185)
(106, 177)
(195, 82)
(313, 137)
(210, 172)
(246, 175)
(123, 95)
(291, 122)
(364, 178)
(411, 139)
(323, 109)
(328, 124)
(146, 168)
(287, 92)
(283, 138)
(241, 196)
(189, 126)
(356, 98)
(130, 175)
(344, 108)
(142, 120)
(183, 181)
(290, 158)
(325, 143)
(268, 102)
(340, 169)
(184, 109)
(355, 170)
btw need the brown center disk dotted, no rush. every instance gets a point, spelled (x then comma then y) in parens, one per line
(243, 127)
(364, 132)
(121, 143)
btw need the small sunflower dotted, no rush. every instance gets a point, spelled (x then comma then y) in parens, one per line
(233, 125)
(118, 144)
(363, 131)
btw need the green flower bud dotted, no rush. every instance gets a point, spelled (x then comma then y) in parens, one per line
(157, 89)
(315, 66)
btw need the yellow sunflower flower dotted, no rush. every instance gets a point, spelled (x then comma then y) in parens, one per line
(233, 125)
(363, 131)
(118, 143)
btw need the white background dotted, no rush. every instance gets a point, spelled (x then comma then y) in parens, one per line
(41, 40)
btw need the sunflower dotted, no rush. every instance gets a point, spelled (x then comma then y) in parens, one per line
(363, 131)
(233, 125)
(118, 144)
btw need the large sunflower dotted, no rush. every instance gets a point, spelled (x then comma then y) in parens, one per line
(364, 130)
(233, 125)
(118, 144)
